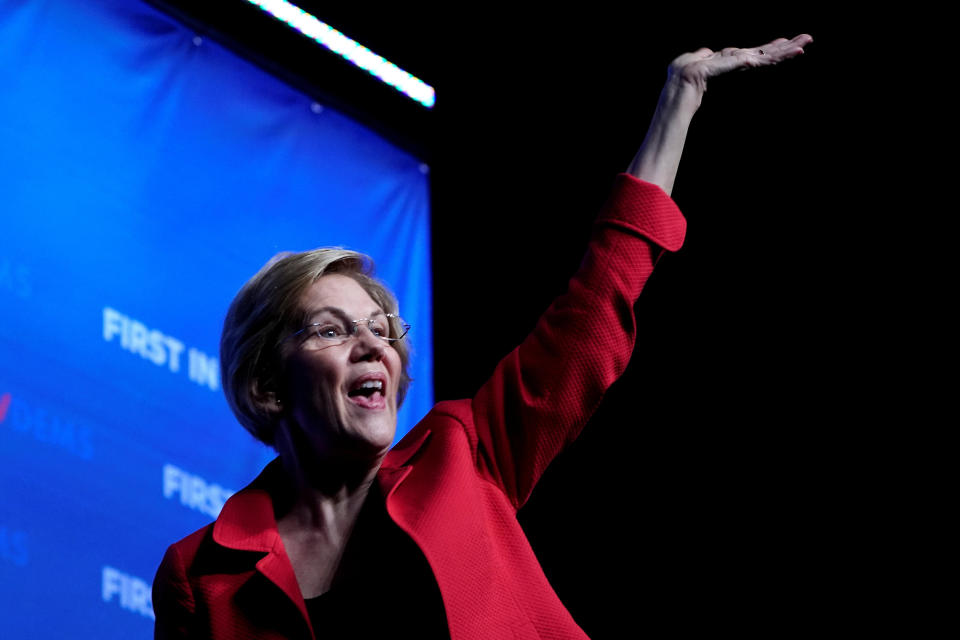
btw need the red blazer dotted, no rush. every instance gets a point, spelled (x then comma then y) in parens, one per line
(455, 482)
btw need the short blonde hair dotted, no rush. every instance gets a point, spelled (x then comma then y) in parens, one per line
(266, 310)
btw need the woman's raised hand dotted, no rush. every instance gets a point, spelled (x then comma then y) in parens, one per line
(659, 155)
(696, 67)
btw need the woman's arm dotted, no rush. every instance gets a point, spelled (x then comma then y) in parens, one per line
(545, 390)
(173, 603)
(659, 155)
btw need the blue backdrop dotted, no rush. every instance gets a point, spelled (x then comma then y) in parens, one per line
(145, 174)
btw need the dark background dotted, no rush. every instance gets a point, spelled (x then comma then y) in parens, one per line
(713, 490)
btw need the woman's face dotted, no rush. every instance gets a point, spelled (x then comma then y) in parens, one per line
(331, 392)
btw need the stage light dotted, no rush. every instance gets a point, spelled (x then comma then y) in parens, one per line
(350, 50)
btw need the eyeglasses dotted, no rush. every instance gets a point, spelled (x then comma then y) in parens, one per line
(389, 327)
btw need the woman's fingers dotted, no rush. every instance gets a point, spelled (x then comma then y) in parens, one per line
(696, 67)
(731, 58)
(782, 49)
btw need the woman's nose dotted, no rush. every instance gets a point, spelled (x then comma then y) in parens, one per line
(367, 344)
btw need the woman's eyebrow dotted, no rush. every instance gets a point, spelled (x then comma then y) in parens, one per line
(340, 312)
(334, 310)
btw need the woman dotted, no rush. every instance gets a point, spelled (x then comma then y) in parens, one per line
(342, 535)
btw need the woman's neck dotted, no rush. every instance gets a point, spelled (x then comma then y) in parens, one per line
(324, 490)
(316, 515)
(324, 494)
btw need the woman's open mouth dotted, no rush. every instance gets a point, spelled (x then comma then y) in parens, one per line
(367, 391)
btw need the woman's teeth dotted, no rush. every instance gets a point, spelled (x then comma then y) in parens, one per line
(367, 388)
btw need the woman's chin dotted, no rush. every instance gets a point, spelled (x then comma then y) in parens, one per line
(374, 423)
(371, 437)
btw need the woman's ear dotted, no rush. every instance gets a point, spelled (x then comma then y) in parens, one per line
(266, 399)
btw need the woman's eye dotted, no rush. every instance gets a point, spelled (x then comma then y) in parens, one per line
(329, 331)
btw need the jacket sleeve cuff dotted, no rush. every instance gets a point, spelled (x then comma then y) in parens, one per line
(644, 209)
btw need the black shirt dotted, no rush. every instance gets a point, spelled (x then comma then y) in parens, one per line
(384, 585)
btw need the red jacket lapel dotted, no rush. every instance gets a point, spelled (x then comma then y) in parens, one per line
(247, 523)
